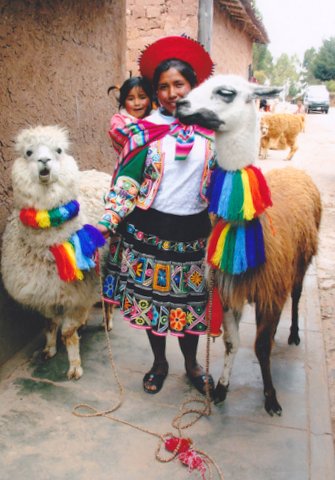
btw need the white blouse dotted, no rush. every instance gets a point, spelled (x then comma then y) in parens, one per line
(179, 191)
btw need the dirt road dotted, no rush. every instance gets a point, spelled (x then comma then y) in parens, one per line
(316, 155)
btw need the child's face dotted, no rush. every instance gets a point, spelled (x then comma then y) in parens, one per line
(137, 102)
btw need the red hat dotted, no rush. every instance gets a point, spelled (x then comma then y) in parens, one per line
(180, 48)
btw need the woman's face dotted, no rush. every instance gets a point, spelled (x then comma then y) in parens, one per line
(171, 87)
(137, 102)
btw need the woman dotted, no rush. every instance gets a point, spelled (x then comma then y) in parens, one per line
(157, 205)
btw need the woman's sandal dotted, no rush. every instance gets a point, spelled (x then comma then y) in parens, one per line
(199, 382)
(154, 380)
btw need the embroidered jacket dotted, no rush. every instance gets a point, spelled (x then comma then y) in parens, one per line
(137, 182)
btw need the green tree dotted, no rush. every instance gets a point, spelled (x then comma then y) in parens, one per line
(285, 72)
(324, 64)
(262, 62)
(308, 66)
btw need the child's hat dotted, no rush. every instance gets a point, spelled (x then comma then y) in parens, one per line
(178, 47)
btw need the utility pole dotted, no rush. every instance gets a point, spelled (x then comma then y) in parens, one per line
(205, 23)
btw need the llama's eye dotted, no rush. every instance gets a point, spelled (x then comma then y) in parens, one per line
(29, 153)
(226, 94)
(59, 150)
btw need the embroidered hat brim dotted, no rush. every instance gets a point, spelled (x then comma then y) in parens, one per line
(176, 47)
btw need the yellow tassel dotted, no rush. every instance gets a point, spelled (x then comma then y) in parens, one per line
(43, 219)
(248, 206)
(216, 258)
(72, 258)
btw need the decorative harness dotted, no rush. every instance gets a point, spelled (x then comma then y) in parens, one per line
(76, 253)
(237, 198)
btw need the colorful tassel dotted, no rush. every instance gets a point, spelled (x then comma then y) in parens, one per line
(238, 195)
(187, 455)
(49, 218)
(236, 248)
(75, 255)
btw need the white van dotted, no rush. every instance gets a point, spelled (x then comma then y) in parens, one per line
(316, 99)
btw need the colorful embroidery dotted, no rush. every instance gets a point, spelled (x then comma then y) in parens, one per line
(119, 201)
(166, 244)
(161, 281)
(177, 319)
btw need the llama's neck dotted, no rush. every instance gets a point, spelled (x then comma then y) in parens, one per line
(237, 149)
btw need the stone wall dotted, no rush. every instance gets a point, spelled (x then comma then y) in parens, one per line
(57, 60)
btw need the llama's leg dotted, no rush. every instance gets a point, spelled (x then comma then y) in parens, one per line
(70, 338)
(293, 149)
(294, 335)
(266, 326)
(51, 330)
(231, 341)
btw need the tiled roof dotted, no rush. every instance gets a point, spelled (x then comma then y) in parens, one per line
(241, 12)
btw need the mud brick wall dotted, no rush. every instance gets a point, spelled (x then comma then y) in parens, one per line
(57, 60)
(231, 48)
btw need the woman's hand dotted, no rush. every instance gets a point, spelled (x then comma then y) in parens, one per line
(103, 230)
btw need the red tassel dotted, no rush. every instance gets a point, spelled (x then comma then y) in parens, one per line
(263, 187)
(186, 455)
(213, 239)
(65, 269)
(257, 199)
(172, 442)
(217, 314)
(194, 462)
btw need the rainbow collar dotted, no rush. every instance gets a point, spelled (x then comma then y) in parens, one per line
(238, 195)
(49, 218)
(237, 198)
(74, 255)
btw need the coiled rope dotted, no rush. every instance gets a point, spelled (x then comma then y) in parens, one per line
(84, 410)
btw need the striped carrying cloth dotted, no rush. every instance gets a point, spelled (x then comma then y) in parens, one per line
(132, 138)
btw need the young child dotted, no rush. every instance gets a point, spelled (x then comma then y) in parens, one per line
(135, 102)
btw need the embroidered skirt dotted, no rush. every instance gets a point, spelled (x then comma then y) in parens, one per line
(155, 271)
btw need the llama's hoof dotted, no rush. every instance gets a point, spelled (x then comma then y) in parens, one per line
(49, 352)
(74, 373)
(220, 393)
(272, 406)
(293, 338)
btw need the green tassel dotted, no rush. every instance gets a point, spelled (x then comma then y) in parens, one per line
(235, 208)
(227, 260)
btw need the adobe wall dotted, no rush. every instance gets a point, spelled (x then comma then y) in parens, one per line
(231, 46)
(154, 19)
(57, 60)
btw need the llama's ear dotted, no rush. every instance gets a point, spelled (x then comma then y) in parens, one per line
(260, 91)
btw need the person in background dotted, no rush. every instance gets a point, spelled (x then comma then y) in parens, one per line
(158, 206)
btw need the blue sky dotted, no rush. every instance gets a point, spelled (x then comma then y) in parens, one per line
(297, 25)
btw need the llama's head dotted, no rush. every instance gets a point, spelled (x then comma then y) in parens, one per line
(264, 126)
(222, 102)
(225, 103)
(44, 169)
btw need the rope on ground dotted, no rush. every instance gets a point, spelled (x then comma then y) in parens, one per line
(180, 447)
